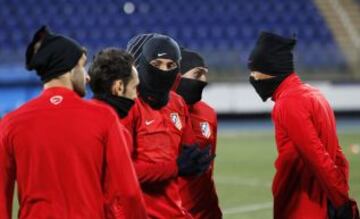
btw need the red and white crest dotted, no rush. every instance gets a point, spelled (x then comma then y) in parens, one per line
(175, 118)
(56, 100)
(205, 129)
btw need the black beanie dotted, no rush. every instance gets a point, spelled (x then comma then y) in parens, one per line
(135, 45)
(272, 55)
(56, 55)
(190, 60)
(161, 46)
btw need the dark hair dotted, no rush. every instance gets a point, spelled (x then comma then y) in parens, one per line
(109, 65)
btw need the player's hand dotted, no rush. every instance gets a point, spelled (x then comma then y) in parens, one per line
(204, 160)
(187, 160)
(349, 210)
(355, 209)
(194, 161)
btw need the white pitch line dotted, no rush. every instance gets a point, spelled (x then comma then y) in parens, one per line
(346, 21)
(252, 182)
(248, 208)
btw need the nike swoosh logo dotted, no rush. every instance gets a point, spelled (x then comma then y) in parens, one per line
(161, 54)
(148, 122)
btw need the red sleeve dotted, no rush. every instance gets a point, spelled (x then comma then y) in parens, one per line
(155, 172)
(7, 176)
(214, 145)
(122, 191)
(147, 172)
(342, 163)
(128, 121)
(296, 120)
(129, 141)
(152, 172)
(188, 136)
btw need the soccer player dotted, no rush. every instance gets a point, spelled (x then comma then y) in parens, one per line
(311, 178)
(69, 157)
(198, 192)
(114, 80)
(159, 122)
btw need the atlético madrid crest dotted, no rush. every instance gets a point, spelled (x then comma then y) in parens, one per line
(175, 118)
(205, 129)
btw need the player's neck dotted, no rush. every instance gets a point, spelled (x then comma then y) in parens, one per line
(62, 81)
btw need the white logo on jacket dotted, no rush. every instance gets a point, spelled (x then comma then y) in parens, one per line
(56, 100)
(205, 129)
(175, 118)
(148, 122)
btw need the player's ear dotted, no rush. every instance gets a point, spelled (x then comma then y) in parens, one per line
(118, 88)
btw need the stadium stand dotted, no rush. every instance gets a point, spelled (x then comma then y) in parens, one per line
(224, 31)
(212, 27)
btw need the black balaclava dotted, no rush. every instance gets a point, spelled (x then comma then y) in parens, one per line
(265, 88)
(273, 56)
(190, 89)
(56, 55)
(155, 84)
(122, 105)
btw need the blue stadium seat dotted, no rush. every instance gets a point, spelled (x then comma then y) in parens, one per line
(207, 26)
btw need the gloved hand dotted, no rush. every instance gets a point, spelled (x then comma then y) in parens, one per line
(193, 161)
(349, 210)
(187, 160)
(355, 209)
(204, 160)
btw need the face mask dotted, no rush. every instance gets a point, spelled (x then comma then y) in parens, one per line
(266, 88)
(191, 90)
(122, 105)
(155, 84)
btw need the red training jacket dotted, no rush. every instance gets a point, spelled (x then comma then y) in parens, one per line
(198, 193)
(158, 135)
(311, 168)
(70, 160)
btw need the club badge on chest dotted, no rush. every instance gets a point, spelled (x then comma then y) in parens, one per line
(205, 129)
(175, 118)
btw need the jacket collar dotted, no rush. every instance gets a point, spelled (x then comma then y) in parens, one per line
(59, 91)
(292, 80)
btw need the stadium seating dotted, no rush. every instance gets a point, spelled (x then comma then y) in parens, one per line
(206, 26)
(224, 31)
